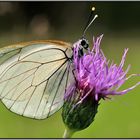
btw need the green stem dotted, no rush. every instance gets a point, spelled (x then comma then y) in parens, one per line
(68, 133)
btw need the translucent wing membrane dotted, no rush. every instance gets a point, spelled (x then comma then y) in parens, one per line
(33, 78)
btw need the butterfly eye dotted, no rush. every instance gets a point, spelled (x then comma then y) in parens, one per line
(84, 43)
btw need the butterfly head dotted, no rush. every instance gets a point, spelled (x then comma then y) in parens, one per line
(83, 42)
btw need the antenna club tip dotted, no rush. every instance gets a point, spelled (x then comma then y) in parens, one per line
(93, 9)
(96, 16)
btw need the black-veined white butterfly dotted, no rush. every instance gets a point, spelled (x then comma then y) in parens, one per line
(34, 75)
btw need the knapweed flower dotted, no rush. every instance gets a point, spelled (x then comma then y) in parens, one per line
(95, 78)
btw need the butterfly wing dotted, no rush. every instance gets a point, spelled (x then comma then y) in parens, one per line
(34, 76)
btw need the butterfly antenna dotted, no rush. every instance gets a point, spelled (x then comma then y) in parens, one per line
(90, 20)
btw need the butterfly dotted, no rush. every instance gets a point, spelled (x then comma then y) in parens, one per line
(35, 75)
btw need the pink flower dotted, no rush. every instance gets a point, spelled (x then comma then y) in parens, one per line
(95, 76)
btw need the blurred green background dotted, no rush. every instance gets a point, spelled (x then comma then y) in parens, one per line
(120, 24)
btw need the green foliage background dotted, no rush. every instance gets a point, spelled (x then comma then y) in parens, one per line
(120, 24)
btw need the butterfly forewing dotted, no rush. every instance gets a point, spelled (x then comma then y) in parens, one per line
(34, 77)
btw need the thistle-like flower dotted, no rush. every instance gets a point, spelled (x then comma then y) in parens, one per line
(95, 76)
(95, 79)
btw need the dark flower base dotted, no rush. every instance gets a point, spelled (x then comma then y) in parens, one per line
(79, 116)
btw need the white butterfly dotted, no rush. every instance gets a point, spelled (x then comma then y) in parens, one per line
(35, 75)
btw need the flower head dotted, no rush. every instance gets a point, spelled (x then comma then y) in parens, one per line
(95, 76)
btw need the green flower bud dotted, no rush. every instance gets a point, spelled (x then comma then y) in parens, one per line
(79, 115)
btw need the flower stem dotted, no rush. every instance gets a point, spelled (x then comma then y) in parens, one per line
(68, 133)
